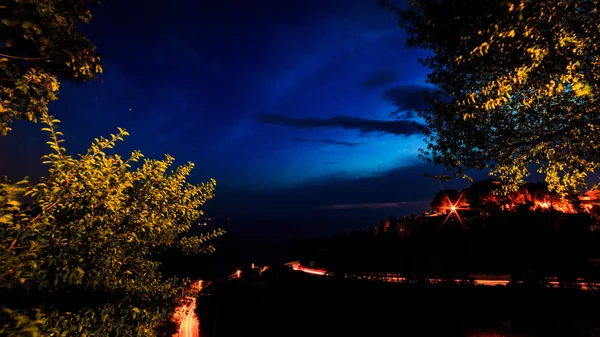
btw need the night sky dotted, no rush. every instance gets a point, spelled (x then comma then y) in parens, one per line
(300, 109)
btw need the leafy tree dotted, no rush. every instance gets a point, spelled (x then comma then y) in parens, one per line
(40, 43)
(77, 260)
(517, 87)
(481, 195)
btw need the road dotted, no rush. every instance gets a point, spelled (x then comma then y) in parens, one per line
(189, 326)
(487, 281)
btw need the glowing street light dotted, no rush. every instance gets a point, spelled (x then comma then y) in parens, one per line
(454, 209)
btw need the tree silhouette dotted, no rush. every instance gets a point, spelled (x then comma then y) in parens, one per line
(41, 44)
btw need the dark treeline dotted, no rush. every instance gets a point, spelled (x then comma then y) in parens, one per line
(525, 242)
(233, 251)
(509, 243)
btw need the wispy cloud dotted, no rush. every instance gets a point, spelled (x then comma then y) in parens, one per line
(376, 205)
(329, 141)
(395, 127)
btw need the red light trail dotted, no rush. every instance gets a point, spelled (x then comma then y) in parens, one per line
(314, 271)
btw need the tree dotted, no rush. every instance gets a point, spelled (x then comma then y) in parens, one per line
(40, 43)
(517, 87)
(481, 195)
(444, 199)
(78, 259)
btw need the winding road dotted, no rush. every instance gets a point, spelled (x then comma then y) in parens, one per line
(189, 326)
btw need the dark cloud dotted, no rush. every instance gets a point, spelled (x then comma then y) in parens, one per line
(329, 141)
(407, 99)
(379, 79)
(395, 127)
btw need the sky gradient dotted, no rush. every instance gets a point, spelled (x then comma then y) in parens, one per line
(301, 110)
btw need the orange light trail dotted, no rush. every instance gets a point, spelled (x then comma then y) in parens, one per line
(313, 271)
(480, 281)
(188, 327)
(187, 324)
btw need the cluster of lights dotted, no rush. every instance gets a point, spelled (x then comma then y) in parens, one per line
(561, 206)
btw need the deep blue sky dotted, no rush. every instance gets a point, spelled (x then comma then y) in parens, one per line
(300, 109)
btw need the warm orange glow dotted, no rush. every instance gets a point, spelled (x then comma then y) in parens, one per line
(238, 273)
(546, 202)
(454, 207)
(492, 282)
(313, 271)
(189, 324)
(540, 200)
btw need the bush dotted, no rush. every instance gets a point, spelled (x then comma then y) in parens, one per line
(76, 259)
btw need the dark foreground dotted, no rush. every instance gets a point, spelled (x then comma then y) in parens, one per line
(294, 304)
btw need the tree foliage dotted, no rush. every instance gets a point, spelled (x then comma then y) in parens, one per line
(517, 87)
(40, 43)
(77, 260)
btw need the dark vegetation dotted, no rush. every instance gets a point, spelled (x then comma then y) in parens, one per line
(233, 251)
(521, 245)
(527, 235)
(469, 235)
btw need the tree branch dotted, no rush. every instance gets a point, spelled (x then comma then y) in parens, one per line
(552, 135)
(24, 58)
(12, 244)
